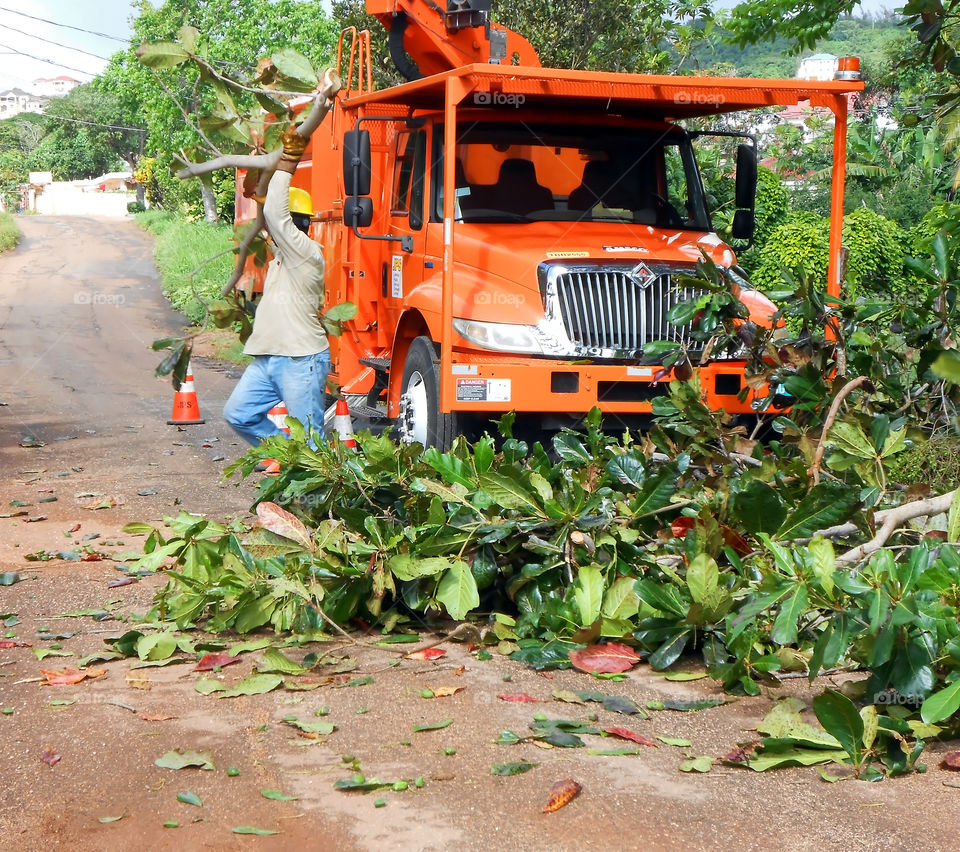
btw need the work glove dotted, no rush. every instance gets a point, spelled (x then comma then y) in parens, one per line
(294, 144)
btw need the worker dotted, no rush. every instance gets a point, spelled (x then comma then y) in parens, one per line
(291, 357)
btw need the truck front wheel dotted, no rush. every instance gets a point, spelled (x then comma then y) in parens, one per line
(420, 417)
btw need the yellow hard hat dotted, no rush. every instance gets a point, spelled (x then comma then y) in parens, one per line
(300, 201)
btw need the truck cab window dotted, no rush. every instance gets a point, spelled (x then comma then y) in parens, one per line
(529, 173)
(408, 177)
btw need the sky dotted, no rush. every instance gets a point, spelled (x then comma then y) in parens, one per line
(50, 38)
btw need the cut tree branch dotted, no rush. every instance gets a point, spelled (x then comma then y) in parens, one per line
(891, 521)
(845, 391)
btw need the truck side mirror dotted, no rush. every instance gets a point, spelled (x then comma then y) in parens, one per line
(746, 189)
(357, 211)
(356, 162)
(743, 225)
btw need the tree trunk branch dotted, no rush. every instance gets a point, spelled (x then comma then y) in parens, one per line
(891, 520)
(845, 391)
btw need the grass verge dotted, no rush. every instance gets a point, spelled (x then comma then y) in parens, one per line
(9, 232)
(194, 259)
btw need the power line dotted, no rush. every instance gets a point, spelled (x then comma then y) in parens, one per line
(66, 26)
(57, 43)
(47, 61)
(96, 123)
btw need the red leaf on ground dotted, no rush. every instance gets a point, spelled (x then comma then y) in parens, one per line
(682, 525)
(93, 556)
(612, 658)
(739, 755)
(951, 760)
(49, 756)
(561, 793)
(547, 675)
(14, 643)
(627, 734)
(519, 697)
(209, 662)
(427, 654)
(74, 528)
(66, 677)
(156, 717)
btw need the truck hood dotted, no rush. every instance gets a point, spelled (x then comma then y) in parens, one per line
(506, 257)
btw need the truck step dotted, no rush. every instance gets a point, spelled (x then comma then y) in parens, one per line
(367, 412)
(379, 364)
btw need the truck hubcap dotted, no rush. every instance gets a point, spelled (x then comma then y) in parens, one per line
(414, 411)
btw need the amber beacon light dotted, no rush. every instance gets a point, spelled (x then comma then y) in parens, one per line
(848, 68)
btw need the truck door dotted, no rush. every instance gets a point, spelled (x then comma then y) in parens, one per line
(405, 269)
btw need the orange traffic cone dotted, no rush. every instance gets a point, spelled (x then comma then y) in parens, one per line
(186, 409)
(343, 424)
(278, 415)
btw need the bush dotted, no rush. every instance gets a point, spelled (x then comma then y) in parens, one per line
(934, 462)
(9, 232)
(136, 207)
(191, 279)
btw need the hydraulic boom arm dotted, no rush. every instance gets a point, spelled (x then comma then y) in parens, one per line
(429, 38)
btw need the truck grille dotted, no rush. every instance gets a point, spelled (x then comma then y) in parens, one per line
(612, 309)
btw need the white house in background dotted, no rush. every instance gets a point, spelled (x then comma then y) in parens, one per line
(54, 87)
(15, 101)
(820, 66)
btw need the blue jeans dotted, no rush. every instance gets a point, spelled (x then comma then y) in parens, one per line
(299, 381)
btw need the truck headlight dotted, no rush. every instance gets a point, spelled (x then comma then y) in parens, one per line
(501, 336)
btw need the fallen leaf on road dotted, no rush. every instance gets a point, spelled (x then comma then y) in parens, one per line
(517, 768)
(612, 658)
(175, 759)
(8, 578)
(427, 654)
(35, 518)
(14, 643)
(209, 662)
(627, 734)
(73, 529)
(447, 691)
(156, 717)
(518, 697)
(122, 581)
(108, 503)
(138, 680)
(250, 829)
(49, 756)
(951, 760)
(560, 794)
(66, 677)
(188, 797)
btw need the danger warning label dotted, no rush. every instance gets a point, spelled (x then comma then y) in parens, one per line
(483, 390)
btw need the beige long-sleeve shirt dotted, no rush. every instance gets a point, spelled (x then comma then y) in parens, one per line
(286, 322)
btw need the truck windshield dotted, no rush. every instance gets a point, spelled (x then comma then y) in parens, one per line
(531, 173)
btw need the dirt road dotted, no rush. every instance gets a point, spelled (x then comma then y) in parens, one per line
(83, 421)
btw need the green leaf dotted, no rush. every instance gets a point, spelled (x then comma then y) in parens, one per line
(508, 492)
(250, 829)
(274, 660)
(257, 684)
(684, 676)
(823, 561)
(942, 704)
(433, 726)
(517, 768)
(784, 630)
(296, 66)
(764, 760)
(620, 601)
(953, 519)
(322, 728)
(947, 366)
(679, 742)
(157, 646)
(703, 577)
(697, 764)
(839, 717)
(106, 819)
(176, 759)
(162, 54)
(276, 795)
(205, 686)
(189, 798)
(405, 566)
(458, 591)
(588, 593)
(824, 506)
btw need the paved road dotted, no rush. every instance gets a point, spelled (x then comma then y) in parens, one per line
(80, 305)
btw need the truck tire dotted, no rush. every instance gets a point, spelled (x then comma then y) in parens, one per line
(420, 418)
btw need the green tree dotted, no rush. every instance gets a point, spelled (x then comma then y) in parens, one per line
(236, 34)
